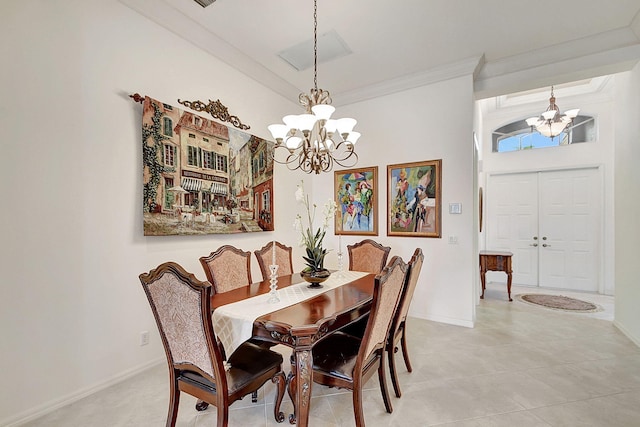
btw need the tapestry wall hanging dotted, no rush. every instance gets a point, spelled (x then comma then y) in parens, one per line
(203, 177)
(414, 199)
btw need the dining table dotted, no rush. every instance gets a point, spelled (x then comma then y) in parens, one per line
(300, 318)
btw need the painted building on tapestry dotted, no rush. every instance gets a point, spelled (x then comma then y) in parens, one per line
(204, 162)
(202, 177)
(262, 173)
(241, 177)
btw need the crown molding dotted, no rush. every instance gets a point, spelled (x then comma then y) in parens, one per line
(606, 53)
(469, 66)
(184, 27)
(573, 69)
(635, 25)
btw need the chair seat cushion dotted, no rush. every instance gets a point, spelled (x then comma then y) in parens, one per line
(336, 355)
(250, 361)
(356, 328)
(247, 363)
(197, 380)
(253, 358)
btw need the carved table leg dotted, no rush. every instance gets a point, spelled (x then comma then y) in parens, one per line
(509, 285)
(291, 389)
(483, 280)
(300, 384)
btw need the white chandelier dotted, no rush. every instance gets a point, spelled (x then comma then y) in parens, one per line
(314, 141)
(551, 123)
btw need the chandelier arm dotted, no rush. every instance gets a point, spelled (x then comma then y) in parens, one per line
(292, 157)
(327, 163)
(307, 161)
(344, 158)
(343, 161)
(344, 146)
(306, 165)
(347, 165)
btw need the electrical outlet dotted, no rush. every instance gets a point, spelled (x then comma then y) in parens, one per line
(144, 338)
(453, 240)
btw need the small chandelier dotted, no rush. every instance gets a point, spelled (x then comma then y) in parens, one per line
(551, 123)
(314, 141)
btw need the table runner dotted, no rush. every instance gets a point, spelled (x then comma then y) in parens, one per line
(233, 323)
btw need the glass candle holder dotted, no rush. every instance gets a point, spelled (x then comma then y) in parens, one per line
(273, 293)
(340, 260)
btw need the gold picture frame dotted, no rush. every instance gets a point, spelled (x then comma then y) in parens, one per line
(356, 196)
(414, 200)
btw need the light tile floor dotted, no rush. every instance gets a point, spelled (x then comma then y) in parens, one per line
(520, 366)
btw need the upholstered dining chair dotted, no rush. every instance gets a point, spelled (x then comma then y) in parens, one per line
(227, 268)
(283, 259)
(398, 330)
(368, 255)
(181, 305)
(346, 361)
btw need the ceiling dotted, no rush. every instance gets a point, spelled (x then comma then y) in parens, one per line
(396, 45)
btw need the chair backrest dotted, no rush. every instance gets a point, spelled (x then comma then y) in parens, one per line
(386, 293)
(283, 259)
(181, 305)
(368, 255)
(227, 268)
(415, 266)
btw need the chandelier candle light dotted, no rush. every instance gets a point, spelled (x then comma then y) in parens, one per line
(314, 141)
(551, 123)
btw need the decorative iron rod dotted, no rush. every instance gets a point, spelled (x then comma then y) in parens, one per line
(216, 108)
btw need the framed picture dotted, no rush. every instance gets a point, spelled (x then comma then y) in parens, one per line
(355, 192)
(414, 199)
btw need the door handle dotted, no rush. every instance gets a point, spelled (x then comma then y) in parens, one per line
(534, 245)
(545, 245)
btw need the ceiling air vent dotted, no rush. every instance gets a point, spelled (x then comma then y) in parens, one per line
(205, 3)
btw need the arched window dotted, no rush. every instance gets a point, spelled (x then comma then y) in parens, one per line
(518, 136)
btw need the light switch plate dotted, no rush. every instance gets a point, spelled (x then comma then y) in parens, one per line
(455, 208)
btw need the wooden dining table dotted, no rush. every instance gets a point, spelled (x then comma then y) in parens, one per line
(303, 324)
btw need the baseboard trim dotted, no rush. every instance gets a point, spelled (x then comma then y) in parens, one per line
(52, 405)
(626, 333)
(445, 319)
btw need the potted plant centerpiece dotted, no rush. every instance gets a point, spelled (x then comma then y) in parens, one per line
(311, 239)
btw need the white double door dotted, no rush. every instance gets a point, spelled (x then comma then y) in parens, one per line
(552, 222)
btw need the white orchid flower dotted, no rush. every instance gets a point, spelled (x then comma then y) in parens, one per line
(310, 237)
(329, 211)
(300, 193)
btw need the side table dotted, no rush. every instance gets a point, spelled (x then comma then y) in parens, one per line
(495, 261)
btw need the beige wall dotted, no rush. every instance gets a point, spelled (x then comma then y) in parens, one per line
(627, 204)
(412, 126)
(71, 305)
